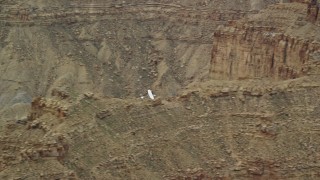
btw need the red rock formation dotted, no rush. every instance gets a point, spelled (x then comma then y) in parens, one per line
(262, 51)
(40, 106)
(258, 52)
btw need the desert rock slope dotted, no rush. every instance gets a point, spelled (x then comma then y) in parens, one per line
(237, 89)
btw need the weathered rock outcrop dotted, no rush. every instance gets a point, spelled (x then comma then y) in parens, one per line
(261, 49)
(259, 52)
(40, 106)
(91, 62)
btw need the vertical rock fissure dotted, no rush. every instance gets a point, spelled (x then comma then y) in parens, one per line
(232, 57)
(213, 57)
(230, 70)
(285, 52)
(272, 61)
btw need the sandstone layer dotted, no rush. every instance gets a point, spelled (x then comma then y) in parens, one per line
(268, 44)
(236, 86)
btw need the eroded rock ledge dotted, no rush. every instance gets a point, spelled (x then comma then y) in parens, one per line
(261, 49)
(257, 52)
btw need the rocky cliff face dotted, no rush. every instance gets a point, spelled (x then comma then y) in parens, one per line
(106, 47)
(236, 85)
(265, 46)
(256, 53)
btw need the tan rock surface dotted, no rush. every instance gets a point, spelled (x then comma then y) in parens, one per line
(236, 85)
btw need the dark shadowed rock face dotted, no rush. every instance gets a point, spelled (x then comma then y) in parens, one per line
(236, 85)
